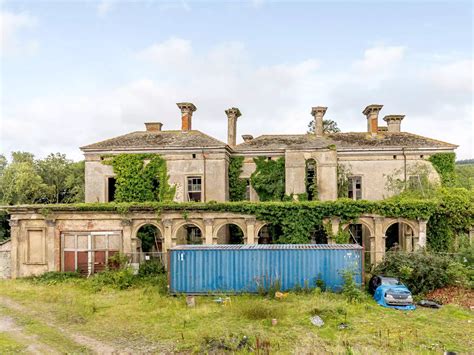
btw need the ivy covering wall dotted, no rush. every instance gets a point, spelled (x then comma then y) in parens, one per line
(140, 178)
(445, 164)
(268, 179)
(237, 186)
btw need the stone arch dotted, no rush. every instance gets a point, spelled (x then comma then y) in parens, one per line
(181, 234)
(219, 232)
(239, 223)
(391, 221)
(400, 234)
(264, 236)
(137, 227)
(367, 222)
(179, 223)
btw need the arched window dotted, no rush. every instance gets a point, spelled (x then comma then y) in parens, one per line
(311, 180)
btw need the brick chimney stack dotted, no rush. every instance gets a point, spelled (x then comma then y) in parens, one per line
(232, 115)
(318, 113)
(153, 126)
(394, 122)
(372, 113)
(187, 110)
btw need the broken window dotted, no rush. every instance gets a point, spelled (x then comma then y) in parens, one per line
(247, 190)
(194, 188)
(111, 189)
(311, 180)
(355, 187)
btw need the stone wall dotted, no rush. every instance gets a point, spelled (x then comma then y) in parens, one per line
(5, 260)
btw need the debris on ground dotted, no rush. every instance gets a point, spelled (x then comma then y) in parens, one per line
(191, 301)
(223, 300)
(429, 304)
(454, 295)
(342, 326)
(274, 321)
(317, 321)
(281, 295)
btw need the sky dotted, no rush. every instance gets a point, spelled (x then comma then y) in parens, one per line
(77, 72)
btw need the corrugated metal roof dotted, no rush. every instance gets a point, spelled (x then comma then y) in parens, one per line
(266, 246)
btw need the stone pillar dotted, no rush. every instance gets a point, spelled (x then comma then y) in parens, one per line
(208, 229)
(318, 113)
(421, 243)
(167, 236)
(335, 222)
(232, 115)
(15, 235)
(50, 245)
(250, 222)
(379, 241)
(127, 236)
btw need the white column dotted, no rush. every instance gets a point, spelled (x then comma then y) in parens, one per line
(422, 234)
(250, 222)
(208, 229)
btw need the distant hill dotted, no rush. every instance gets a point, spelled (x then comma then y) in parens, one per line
(465, 161)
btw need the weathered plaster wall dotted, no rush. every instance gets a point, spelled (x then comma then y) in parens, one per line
(210, 166)
(374, 170)
(5, 260)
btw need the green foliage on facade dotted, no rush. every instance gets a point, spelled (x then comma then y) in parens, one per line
(444, 164)
(141, 178)
(237, 186)
(343, 173)
(268, 179)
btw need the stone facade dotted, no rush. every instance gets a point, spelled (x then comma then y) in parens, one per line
(70, 239)
(38, 242)
(5, 259)
(370, 156)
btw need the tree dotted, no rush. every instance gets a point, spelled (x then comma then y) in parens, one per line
(55, 170)
(22, 157)
(75, 183)
(329, 126)
(20, 184)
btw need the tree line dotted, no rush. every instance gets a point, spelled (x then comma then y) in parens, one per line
(53, 179)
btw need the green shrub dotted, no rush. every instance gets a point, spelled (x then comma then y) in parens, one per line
(118, 279)
(423, 272)
(54, 277)
(350, 289)
(260, 310)
(151, 268)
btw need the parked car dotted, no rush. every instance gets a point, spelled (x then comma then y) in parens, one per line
(389, 291)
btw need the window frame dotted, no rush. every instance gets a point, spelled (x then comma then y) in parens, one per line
(193, 191)
(352, 185)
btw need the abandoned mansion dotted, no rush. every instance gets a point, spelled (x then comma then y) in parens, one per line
(197, 166)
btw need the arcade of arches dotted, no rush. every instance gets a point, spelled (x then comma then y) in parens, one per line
(141, 231)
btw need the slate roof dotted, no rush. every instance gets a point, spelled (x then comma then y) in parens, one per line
(352, 140)
(161, 139)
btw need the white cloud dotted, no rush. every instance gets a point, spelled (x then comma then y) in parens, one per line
(173, 52)
(11, 26)
(104, 7)
(273, 98)
(457, 75)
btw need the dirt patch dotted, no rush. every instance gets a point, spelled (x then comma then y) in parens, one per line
(454, 295)
(92, 344)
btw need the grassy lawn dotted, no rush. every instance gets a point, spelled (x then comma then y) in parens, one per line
(143, 319)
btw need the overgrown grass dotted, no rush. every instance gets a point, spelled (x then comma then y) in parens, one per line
(145, 319)
(9, 345)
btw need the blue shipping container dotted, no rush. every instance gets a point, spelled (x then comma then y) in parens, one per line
(200, 269)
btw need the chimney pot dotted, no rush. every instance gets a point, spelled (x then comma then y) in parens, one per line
(153, 126)
(232, 115)
(318, 113)
(372, 113)
(247, 137)
(394, 122)
(187, 110)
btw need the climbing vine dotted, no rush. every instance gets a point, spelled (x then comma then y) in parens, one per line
(343, 173)
(449, 213)
(140, 178)
(444, 164)
(237, 186)
(268, 179)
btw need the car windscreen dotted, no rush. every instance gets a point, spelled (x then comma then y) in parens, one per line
(390, 281)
